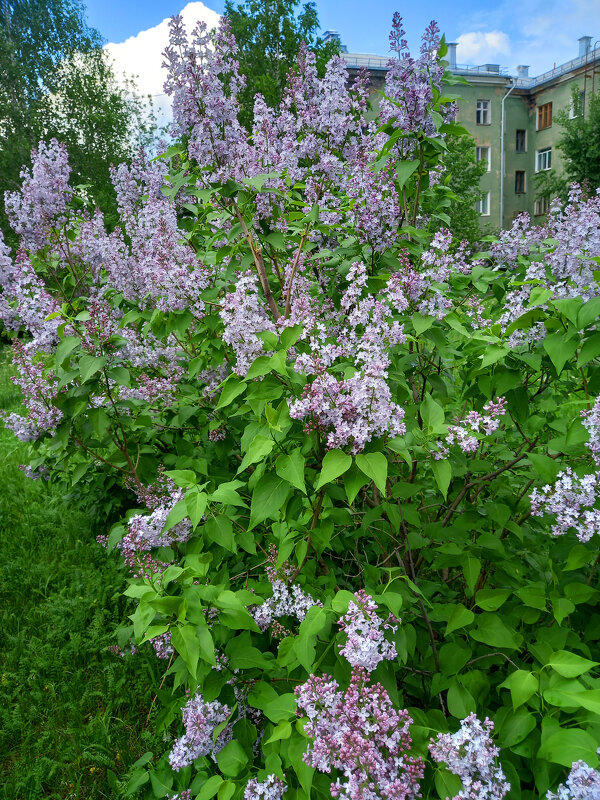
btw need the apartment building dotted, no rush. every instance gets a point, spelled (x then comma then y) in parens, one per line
(512, 120)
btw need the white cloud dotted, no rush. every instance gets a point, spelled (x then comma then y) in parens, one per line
(481, 47)
(141, 56)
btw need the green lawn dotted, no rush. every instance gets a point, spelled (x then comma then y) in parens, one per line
(72, 715)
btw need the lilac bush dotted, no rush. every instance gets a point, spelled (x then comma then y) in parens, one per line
(340, 444)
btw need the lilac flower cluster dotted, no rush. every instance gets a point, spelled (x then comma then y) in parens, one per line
(200, 720)
(366, 645)
(571, 500)
(38, 386)
(244, 317)
(286, 601)
(149, 261)
(162, 645)
(564, 253)
(41, 203)
(146, 530)
(354, 409)
(273, 788)
(465, 435)
(583, 783)
(411, 86)
(359, 733)
(591, 421)
(471, 754)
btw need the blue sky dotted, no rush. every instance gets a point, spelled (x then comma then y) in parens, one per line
(535, 32)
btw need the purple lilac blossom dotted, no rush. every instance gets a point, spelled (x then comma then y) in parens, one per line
(471, 754)
(200, 719)
(273, 788)
(583, 783)
(359, 733)
(41, 203)
(571, 500)
(473, 425)
(591, 421)
(286, 601)
(366, 645)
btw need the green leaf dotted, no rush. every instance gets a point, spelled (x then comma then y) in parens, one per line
(210, 787)
(589, 313)
(459, 618)
(491, 599)
(442, 472)
(182, 477)
(559, 350)
(220, 531)
(570, 665)
(516, 727)
(226, 790)
(590, 350)
(232, 388)
(195, 505)
(375, 467)
(65, 348)
(460, 701)
(232, 759)
(291, 469)
(492, 354)
(492, 630)
(290, 336)
(89, 366)
(567, 746)
(432, 414)
(447, 784)
(335, 463)
(404, 170)
(421, 323)
(471, 569)
(233, 613)
(185, 641)
(354, 480)
(260, 366)
(281, 707)
(176, 514)
(282, 731)
(261, 446)
(547, 468)
(522, 685)
(268, 498)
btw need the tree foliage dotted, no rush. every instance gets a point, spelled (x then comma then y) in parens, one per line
(269, 34)
(56, 81)
(464, 173)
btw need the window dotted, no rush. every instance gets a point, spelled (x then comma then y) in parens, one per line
(541, 206)
(482, 116)
(483, 154)
(521, 141)
(519, 182)
(543, 159)
(544, 118)
(483, 205)
(577, 105)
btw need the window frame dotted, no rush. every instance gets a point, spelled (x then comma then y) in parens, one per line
(524, 132)
(486, 197)
(572, 114)
(539, 157)
(487, 111)
(540, 207)
(520, 172)
(488, 159)
(544, 116)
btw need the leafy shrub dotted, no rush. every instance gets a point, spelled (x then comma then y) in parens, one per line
(364, 460)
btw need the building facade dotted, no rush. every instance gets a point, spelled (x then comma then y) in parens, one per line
(512, 120)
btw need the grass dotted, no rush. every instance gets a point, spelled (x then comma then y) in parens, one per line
(72, 715)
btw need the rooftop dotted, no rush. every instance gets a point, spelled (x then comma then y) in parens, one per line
(587, 55)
